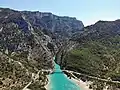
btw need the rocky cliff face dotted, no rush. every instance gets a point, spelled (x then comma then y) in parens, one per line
(28, 42)
(24, 51)
(60, 26)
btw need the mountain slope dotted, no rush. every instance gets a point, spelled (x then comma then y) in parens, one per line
(23, 52)
(28, 42)
(97, 53)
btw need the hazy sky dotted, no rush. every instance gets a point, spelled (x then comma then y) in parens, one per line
(89, 11)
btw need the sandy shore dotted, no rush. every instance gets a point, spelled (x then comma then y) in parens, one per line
(81, 84)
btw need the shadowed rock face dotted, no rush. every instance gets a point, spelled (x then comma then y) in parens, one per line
(28, 42)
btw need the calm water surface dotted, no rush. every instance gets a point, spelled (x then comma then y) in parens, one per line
(59, 81)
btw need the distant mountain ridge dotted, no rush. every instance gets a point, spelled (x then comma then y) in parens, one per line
(61, 25)
(101, 29)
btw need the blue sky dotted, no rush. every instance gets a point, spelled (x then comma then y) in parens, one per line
(88, 11)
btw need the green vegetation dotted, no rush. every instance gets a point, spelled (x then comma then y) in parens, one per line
(97, 54)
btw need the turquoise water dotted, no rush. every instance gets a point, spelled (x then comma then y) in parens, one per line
(59, 81)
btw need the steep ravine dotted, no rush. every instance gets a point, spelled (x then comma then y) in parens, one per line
(29, 40)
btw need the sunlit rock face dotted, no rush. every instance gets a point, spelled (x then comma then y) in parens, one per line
(64, 26)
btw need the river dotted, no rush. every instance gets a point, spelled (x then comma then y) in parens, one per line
(59, 81)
